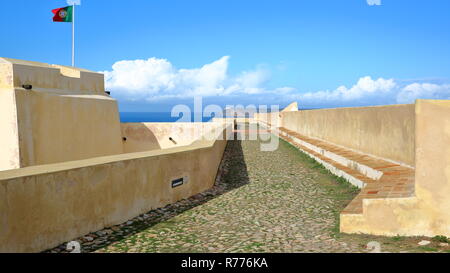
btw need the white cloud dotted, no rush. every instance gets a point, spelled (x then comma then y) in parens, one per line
(365, 87)
(157, 78)
(374, 2)
(368, 91)
(424, 91)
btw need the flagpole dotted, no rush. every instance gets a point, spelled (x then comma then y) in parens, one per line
(73, 35)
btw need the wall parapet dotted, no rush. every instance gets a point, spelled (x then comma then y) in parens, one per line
(405, 200)
(63, 114)
(44, 206)
(383, 131)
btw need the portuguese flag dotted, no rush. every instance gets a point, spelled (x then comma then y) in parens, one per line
(63, 14)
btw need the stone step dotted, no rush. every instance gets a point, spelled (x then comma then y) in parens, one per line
(358, 162)
(377, 177)
(355, 177)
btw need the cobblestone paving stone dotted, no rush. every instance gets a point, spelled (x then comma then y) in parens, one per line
(280, 201)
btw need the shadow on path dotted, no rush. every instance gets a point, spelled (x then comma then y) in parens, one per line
(232, 174)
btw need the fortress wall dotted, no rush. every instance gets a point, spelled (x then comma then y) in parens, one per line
(65, 116)
(55, 77)
(152, 136)
(56, 128)
(44, 206)
(433, 151)
(65, 170)
(385, 131)
(432, 177)
(428, 212)
(9, 140)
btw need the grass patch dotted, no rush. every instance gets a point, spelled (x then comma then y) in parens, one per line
(428, 249)
(337, 187)
(397, 238)
(441, 239)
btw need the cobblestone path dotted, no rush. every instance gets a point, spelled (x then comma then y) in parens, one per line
(265, 202)
(280, 201)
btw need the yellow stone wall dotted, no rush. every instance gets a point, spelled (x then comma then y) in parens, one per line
(46, 205)
(417, 135)
(384, 131)
(65, 116)
(153, 136)
(9, 139)
(428, 213)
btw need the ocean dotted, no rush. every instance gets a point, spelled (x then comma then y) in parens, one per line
(152, 117)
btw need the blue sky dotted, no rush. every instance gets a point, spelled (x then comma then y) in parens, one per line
(322, 53)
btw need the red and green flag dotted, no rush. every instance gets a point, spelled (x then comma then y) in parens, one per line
(63, 14)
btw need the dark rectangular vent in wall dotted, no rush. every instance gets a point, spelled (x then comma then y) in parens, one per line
(177, 182)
